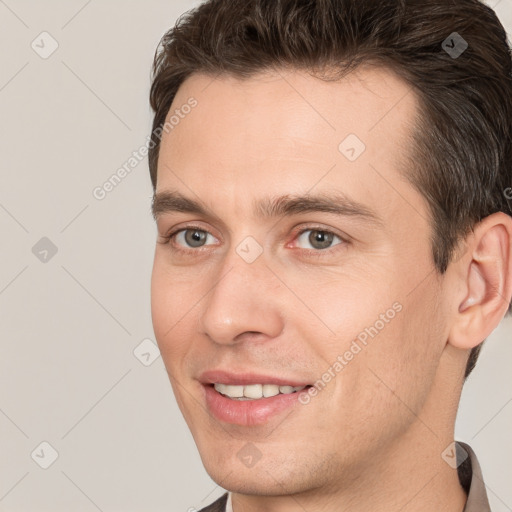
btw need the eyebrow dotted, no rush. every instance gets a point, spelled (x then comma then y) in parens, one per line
(336, 203)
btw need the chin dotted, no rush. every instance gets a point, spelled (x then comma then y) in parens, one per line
(265, 478)
(256, 484)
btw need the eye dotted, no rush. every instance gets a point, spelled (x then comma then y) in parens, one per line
(319, 239)
(191, 237)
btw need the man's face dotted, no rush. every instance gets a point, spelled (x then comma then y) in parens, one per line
(282, 299)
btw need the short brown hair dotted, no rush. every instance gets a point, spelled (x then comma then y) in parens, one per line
(461, 159)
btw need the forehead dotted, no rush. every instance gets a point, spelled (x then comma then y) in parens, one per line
(286, 130)
(283, 108)
(376, 84)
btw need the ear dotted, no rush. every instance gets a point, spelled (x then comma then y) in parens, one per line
(485, 275)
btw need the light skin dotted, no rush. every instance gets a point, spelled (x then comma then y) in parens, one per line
(372, 439)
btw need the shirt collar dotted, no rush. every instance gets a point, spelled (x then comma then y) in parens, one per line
(477, 496)
(229, 506)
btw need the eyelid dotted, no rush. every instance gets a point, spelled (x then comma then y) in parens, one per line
(184, 227)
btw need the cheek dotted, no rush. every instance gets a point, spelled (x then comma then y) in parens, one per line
(170, 310)
(160, 301)
(402, 360)
(377, 390)
(342, 306)
(390, 341)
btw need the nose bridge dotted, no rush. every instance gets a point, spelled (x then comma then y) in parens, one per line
(239, 300)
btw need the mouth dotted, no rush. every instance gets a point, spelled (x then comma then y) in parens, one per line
(255, 391)
(250, 404)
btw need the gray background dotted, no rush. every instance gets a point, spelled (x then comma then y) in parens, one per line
(70, 324)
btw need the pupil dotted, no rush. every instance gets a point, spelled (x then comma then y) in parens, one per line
(195, 238)
(320, 239)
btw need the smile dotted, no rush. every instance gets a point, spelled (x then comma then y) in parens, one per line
(254, 391)
(250, 404)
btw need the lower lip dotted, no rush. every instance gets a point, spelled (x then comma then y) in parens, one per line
(248, 412)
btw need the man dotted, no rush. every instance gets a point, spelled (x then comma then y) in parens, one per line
(332, 196)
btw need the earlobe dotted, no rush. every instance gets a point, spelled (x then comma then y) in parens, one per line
(487, 276)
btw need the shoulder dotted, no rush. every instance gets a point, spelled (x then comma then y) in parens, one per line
(218, 505)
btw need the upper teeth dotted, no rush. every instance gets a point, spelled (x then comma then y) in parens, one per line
(254, 390)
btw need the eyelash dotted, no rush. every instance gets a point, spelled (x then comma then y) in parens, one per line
(317, 253)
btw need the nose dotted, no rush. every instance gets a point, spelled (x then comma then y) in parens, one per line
(242, 303)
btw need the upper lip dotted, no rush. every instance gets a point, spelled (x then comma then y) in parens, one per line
(245, 378)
